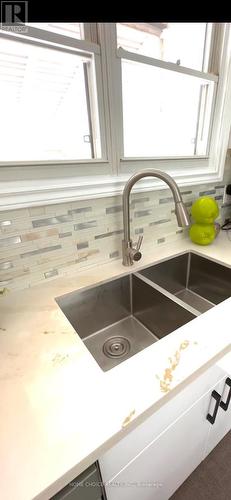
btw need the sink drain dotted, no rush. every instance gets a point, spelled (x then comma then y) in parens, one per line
(116, 347)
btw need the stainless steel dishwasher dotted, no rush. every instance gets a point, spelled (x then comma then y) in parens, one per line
(87, 486)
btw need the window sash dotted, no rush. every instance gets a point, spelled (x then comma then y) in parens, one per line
(213, 66)
(130, 56)
(139, 58)
(203, 112)
(88, 50)
(41, 37)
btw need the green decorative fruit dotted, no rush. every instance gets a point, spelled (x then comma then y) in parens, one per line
(202, 234)
(205, 210)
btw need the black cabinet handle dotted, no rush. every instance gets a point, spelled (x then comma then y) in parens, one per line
(217, 397)
(225, 405)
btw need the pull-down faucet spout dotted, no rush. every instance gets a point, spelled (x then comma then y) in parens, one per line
(130, 252)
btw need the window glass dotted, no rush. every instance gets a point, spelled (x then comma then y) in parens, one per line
(162, 111)
(180, 43)
(44, 103)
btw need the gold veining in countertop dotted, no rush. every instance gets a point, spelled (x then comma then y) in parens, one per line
(167, 377)
(129, 418)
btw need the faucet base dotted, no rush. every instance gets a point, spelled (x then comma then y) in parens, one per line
(126, 252)
(131, 253)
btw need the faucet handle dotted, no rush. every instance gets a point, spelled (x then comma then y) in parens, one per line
(139, 243)
(135, 253)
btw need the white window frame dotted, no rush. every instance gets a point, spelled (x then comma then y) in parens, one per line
(25, 184)
(196, 168)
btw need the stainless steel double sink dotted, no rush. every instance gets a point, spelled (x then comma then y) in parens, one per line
(120, 317)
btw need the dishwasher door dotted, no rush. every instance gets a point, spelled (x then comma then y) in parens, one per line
(87, 486)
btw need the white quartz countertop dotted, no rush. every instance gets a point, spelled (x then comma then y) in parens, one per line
(59, 411)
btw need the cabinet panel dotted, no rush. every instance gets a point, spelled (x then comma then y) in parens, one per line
(127, 448)
(222, 424)
(161, 468)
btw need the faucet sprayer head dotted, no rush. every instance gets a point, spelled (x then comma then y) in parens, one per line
(182, 214)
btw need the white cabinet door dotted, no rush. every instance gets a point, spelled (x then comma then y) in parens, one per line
(164, 464)
(131, 445)
(222, 424)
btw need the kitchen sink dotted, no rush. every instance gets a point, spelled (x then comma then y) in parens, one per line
(197, 281)
(118, 318)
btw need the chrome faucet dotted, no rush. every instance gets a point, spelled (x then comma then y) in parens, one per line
(132, 252)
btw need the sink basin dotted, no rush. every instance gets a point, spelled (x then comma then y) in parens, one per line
(118, 318)
(197, 281)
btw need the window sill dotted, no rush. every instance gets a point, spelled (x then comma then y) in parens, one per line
(28, 193)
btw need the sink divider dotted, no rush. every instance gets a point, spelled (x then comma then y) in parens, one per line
(167, 294)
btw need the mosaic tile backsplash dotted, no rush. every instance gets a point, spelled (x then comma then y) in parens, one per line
(41, 243)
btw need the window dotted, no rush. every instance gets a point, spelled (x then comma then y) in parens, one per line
(48, 99)
(85, 105)
(168, 97)
(162, 120)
